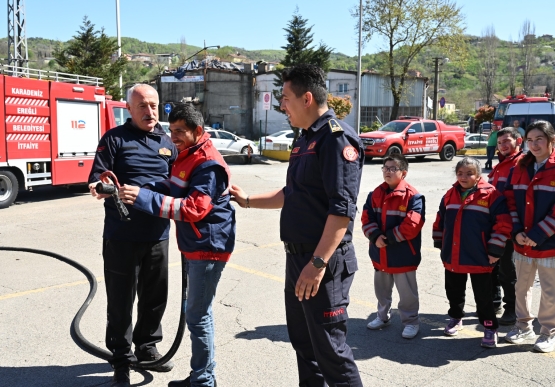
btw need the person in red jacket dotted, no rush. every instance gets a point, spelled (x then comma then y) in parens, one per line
(197, 198)
(392, 219)
(531, 198)
(504, 272)
(471, 229)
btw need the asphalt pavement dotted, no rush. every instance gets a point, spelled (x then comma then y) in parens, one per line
(39, 297)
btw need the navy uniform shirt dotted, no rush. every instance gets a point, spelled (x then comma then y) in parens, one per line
(136, 157)
(323, 179)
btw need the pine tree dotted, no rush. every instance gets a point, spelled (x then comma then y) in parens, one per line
(298, 50)
(90, 53)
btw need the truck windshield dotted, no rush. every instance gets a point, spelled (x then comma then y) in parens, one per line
(394, 126)
(500, 112)
(121, 115)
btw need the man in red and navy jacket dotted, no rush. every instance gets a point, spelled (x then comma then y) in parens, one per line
(504, 272)
(197, 198)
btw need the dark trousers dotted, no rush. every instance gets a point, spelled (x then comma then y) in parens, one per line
(455, 288)
(490, 152)
(507, 276)
(134, 268)
(318, 326)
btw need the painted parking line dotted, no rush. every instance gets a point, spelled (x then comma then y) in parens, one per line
(467, 332)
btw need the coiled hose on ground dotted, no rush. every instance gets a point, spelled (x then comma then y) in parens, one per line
(76, 334)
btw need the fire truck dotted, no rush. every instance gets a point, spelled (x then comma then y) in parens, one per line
(502, 108)
(50, 126)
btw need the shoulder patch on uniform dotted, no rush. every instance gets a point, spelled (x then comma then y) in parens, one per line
(334, 126)
(165, 152)
(350, 153)
(312, 145)
(296, 150)
(182, 174)
(100, 148)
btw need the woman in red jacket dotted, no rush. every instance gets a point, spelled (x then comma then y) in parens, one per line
(471, 229)
(531, 198)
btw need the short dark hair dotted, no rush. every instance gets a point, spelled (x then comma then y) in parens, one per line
(400, 160)
(187, 113)
(511, 131)
(307, 78)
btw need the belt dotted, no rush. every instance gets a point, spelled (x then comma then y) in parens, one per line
(301, 248)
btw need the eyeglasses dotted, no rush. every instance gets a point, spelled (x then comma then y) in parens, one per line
(390, 169)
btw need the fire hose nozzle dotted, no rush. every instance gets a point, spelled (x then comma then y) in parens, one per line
(111, 189)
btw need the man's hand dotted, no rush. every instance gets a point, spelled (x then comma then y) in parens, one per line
(128, 194)
(92, 189)
(238, 195)
(309, 281)
(380, 242)
(492, 260)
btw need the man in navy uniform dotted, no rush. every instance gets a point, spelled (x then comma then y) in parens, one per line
(318, 208)
(135, 252)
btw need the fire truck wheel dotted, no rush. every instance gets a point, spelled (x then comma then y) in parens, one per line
(8, 188)
(394, 149)
(447, 153)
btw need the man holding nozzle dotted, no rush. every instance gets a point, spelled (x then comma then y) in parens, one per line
(135, 252)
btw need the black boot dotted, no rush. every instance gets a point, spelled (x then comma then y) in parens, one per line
(185, 383)
(121, 377)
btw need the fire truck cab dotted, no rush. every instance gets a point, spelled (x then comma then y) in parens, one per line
(51, 125)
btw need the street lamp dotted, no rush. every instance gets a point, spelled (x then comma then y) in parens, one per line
(436, 80)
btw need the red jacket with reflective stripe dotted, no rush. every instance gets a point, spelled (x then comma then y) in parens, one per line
(399, 215)
(498, 177)
(531, 200)
(197, 198)
(467, 232)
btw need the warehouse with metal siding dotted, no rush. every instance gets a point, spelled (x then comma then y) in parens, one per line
(377, 100)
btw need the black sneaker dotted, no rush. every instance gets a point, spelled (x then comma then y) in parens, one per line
(185, 383)
(121, 377)
(508, 318)
(152, 356)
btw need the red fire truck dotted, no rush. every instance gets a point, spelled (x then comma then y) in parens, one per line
(51, 125)
(500, 112)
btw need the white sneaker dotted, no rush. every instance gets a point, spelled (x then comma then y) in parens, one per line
(377, 323)
(517, 335)
(410, 331)
(545, 343)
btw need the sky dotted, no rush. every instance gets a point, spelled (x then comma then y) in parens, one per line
(257, 24)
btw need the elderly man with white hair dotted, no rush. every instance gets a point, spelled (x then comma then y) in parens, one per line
(135, 252)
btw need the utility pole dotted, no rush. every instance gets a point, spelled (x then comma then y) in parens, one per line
(436, 80)
(359, 67)
(17, 39)
(119, 46)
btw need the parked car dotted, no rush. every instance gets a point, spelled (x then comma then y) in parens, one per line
(282, 137)
(485, 127)
(165, 126)
(476, 141)
(414, 136)
(227, 143)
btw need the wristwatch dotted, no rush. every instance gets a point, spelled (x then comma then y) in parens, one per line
(318, 262)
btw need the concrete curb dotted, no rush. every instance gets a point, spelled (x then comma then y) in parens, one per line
(244, 159)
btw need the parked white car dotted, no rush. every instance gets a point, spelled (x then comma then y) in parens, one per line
(227, 143)
(282, 137)
(165, 126)
(474, 141)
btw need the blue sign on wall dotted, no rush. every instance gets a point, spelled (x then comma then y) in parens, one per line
(167, 108)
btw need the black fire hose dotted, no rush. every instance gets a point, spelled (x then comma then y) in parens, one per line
(76, 334)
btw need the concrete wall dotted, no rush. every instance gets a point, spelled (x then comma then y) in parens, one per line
(228, 98)
(337, 78)
(276, 121)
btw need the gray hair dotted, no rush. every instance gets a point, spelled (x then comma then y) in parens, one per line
(135, 87)
(469, 162)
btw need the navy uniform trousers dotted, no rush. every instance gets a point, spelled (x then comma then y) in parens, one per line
(318, 326)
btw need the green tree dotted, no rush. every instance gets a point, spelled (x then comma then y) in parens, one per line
(90, 53)
(299, 50)
(407, 27)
